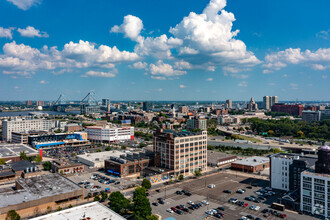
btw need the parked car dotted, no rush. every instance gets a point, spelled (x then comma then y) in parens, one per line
(246, 204)
(190, 202)
(178, 192)
(205, 202)
(155, 203)
(227, 191)
(211, 186)
(179, 212)
(221, 208)
(169, 210)
(257, 208)
(252, 207)
(250, 216)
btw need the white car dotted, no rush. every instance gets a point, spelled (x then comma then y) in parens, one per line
(244, 218)
(234, 201)
(259, 193)
(257, 208)
(211, 186)
(169, 210)
(205, 202)
(190, 203)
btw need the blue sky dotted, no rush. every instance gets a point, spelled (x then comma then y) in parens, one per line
(165, 50)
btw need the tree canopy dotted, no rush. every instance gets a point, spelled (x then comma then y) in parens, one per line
(13, 215)
(142, 207)
(119, 203)
(146, 183)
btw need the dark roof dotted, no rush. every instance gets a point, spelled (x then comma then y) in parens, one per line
(7, 173)
(21, 165)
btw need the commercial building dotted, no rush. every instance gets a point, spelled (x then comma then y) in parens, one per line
(217, 158)
(110, 134)
(18, 169)
(252, 106)
(310, 116)
(66, 167)
(295, 110)
(229, 104)
(237, 119)
(29, 102)
(325, 114)
(184, 109)
(89, 211)
(97, 159)
(24, 125)
(183, 152)
(315, 186)
(89, 109)
(147, 106)
(285, 170)
(72, 128)
(49, 141)
(197, 123)
(127, 164)
(22, 137)
(251, 164)
(35, 194)
(40, 103)
(105, 102)
(11, 152)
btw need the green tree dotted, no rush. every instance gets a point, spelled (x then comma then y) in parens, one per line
(2, 161)
(38, 159)
(276, 151)
(13, 215)
(108, 149)
(181, 177)
(47, 165)
(142, 207)
(123, 147)
(104, 196)
(23, 156)
(97, 198)
(119, 203)
(197, 173)
(146, 183)
(152, 217)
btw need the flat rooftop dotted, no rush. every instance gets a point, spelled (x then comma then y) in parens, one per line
(253, 161)
(311, 171)
(94, 210)
(13, 150)
(309, 159)
(182, 133)
(214, 156)
(101, 156)
(36, 188)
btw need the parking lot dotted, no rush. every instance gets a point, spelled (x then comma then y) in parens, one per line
(124, 183)
(216, 197)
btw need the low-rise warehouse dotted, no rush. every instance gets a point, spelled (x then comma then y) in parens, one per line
(36, 194)
(94, 210)
(251, 164)
(11, 152)
(97, 159)
(217, 158)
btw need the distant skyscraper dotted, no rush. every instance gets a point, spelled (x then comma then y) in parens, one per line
(105, 102)
(40, 103)
(274, 100)
(269, 101)
(147, 106)
(229, 104)
(252, 106)
(29, 102)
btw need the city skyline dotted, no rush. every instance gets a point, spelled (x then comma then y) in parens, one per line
(142, 52)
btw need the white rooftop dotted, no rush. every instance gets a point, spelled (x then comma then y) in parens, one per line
(253, 161)
(100, 156)
(94, 211)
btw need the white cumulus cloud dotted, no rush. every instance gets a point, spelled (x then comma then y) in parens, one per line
(161, 70)
(6, 32)
(131, 27)
(139, 65)
(24, 4)
(182, 86)
(317, 60)
(30, 31)
(100, 74)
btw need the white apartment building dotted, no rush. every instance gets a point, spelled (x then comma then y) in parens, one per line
(109, 134)
(24, 125)
(279, 171)
(315, 192)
